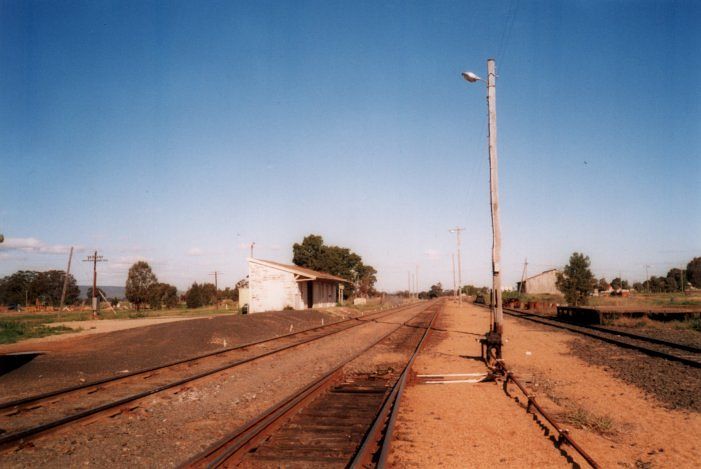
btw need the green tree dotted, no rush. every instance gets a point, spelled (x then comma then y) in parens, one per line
(638, 287)
(193, 296)
(602, 285)
(209, 294)
(693, 272)
(472, 290)
(366, 280)
(162, 295)
(436, 290)
(312, 253)
(139, 280)
(229, 294)
(576, 281)
(16, 288)
(617, 283)
(48, 286)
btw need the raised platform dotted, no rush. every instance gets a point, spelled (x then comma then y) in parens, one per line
(602, 315)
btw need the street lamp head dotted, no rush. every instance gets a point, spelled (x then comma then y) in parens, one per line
(471, 77)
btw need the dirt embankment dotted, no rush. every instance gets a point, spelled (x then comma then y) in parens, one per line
(85, 358)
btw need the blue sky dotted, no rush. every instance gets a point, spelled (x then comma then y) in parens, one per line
(179, 132)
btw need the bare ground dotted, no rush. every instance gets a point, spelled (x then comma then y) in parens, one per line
(477, 425)
(74, 360)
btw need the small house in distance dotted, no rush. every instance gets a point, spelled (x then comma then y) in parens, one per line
(274, 286)
(541, 283)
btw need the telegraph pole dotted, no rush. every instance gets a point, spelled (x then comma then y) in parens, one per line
(65, 280)
(94, 259)
(216, 283)
(494, 197)
(452, 262)
(457, 231)
(523, 276)
(252, 245)
(416, 282)
(493, 339)
(647, 278)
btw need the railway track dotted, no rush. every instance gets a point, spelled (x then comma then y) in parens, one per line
(345, 418)
(686, 354)
(24, 419)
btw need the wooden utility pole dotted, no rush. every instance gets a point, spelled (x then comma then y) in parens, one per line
(216, 284)
(647, 277)
(408, 280)
(94, 259)
(522, 285)
(65, 281)
(452, 261)
(494, 198)
(416, 282)
(457, 231)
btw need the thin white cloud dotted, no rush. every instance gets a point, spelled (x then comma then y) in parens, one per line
(36, 246)
(195, 251)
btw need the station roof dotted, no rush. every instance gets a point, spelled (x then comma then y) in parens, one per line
(301, 271)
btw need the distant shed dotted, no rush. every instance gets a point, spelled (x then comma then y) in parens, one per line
(274, 286)
(544, 282)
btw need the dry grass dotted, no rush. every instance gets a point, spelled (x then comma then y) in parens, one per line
(693, 324)
(581, 418)
(649, 300)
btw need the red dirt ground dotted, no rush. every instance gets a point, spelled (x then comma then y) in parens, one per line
(477, 425)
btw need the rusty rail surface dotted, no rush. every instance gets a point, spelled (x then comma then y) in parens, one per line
(563, 434)
(231, 449)
(125, 403)
(500, 370)
(380, 435)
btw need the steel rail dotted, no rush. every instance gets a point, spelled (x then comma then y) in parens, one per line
(389, 409)
(632, 335)
(245, 436)
(621, 343)
(21, 435)
(82, 386)
(563, 434)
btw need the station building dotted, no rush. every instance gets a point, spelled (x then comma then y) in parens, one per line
(541, 283)
(273, 287)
